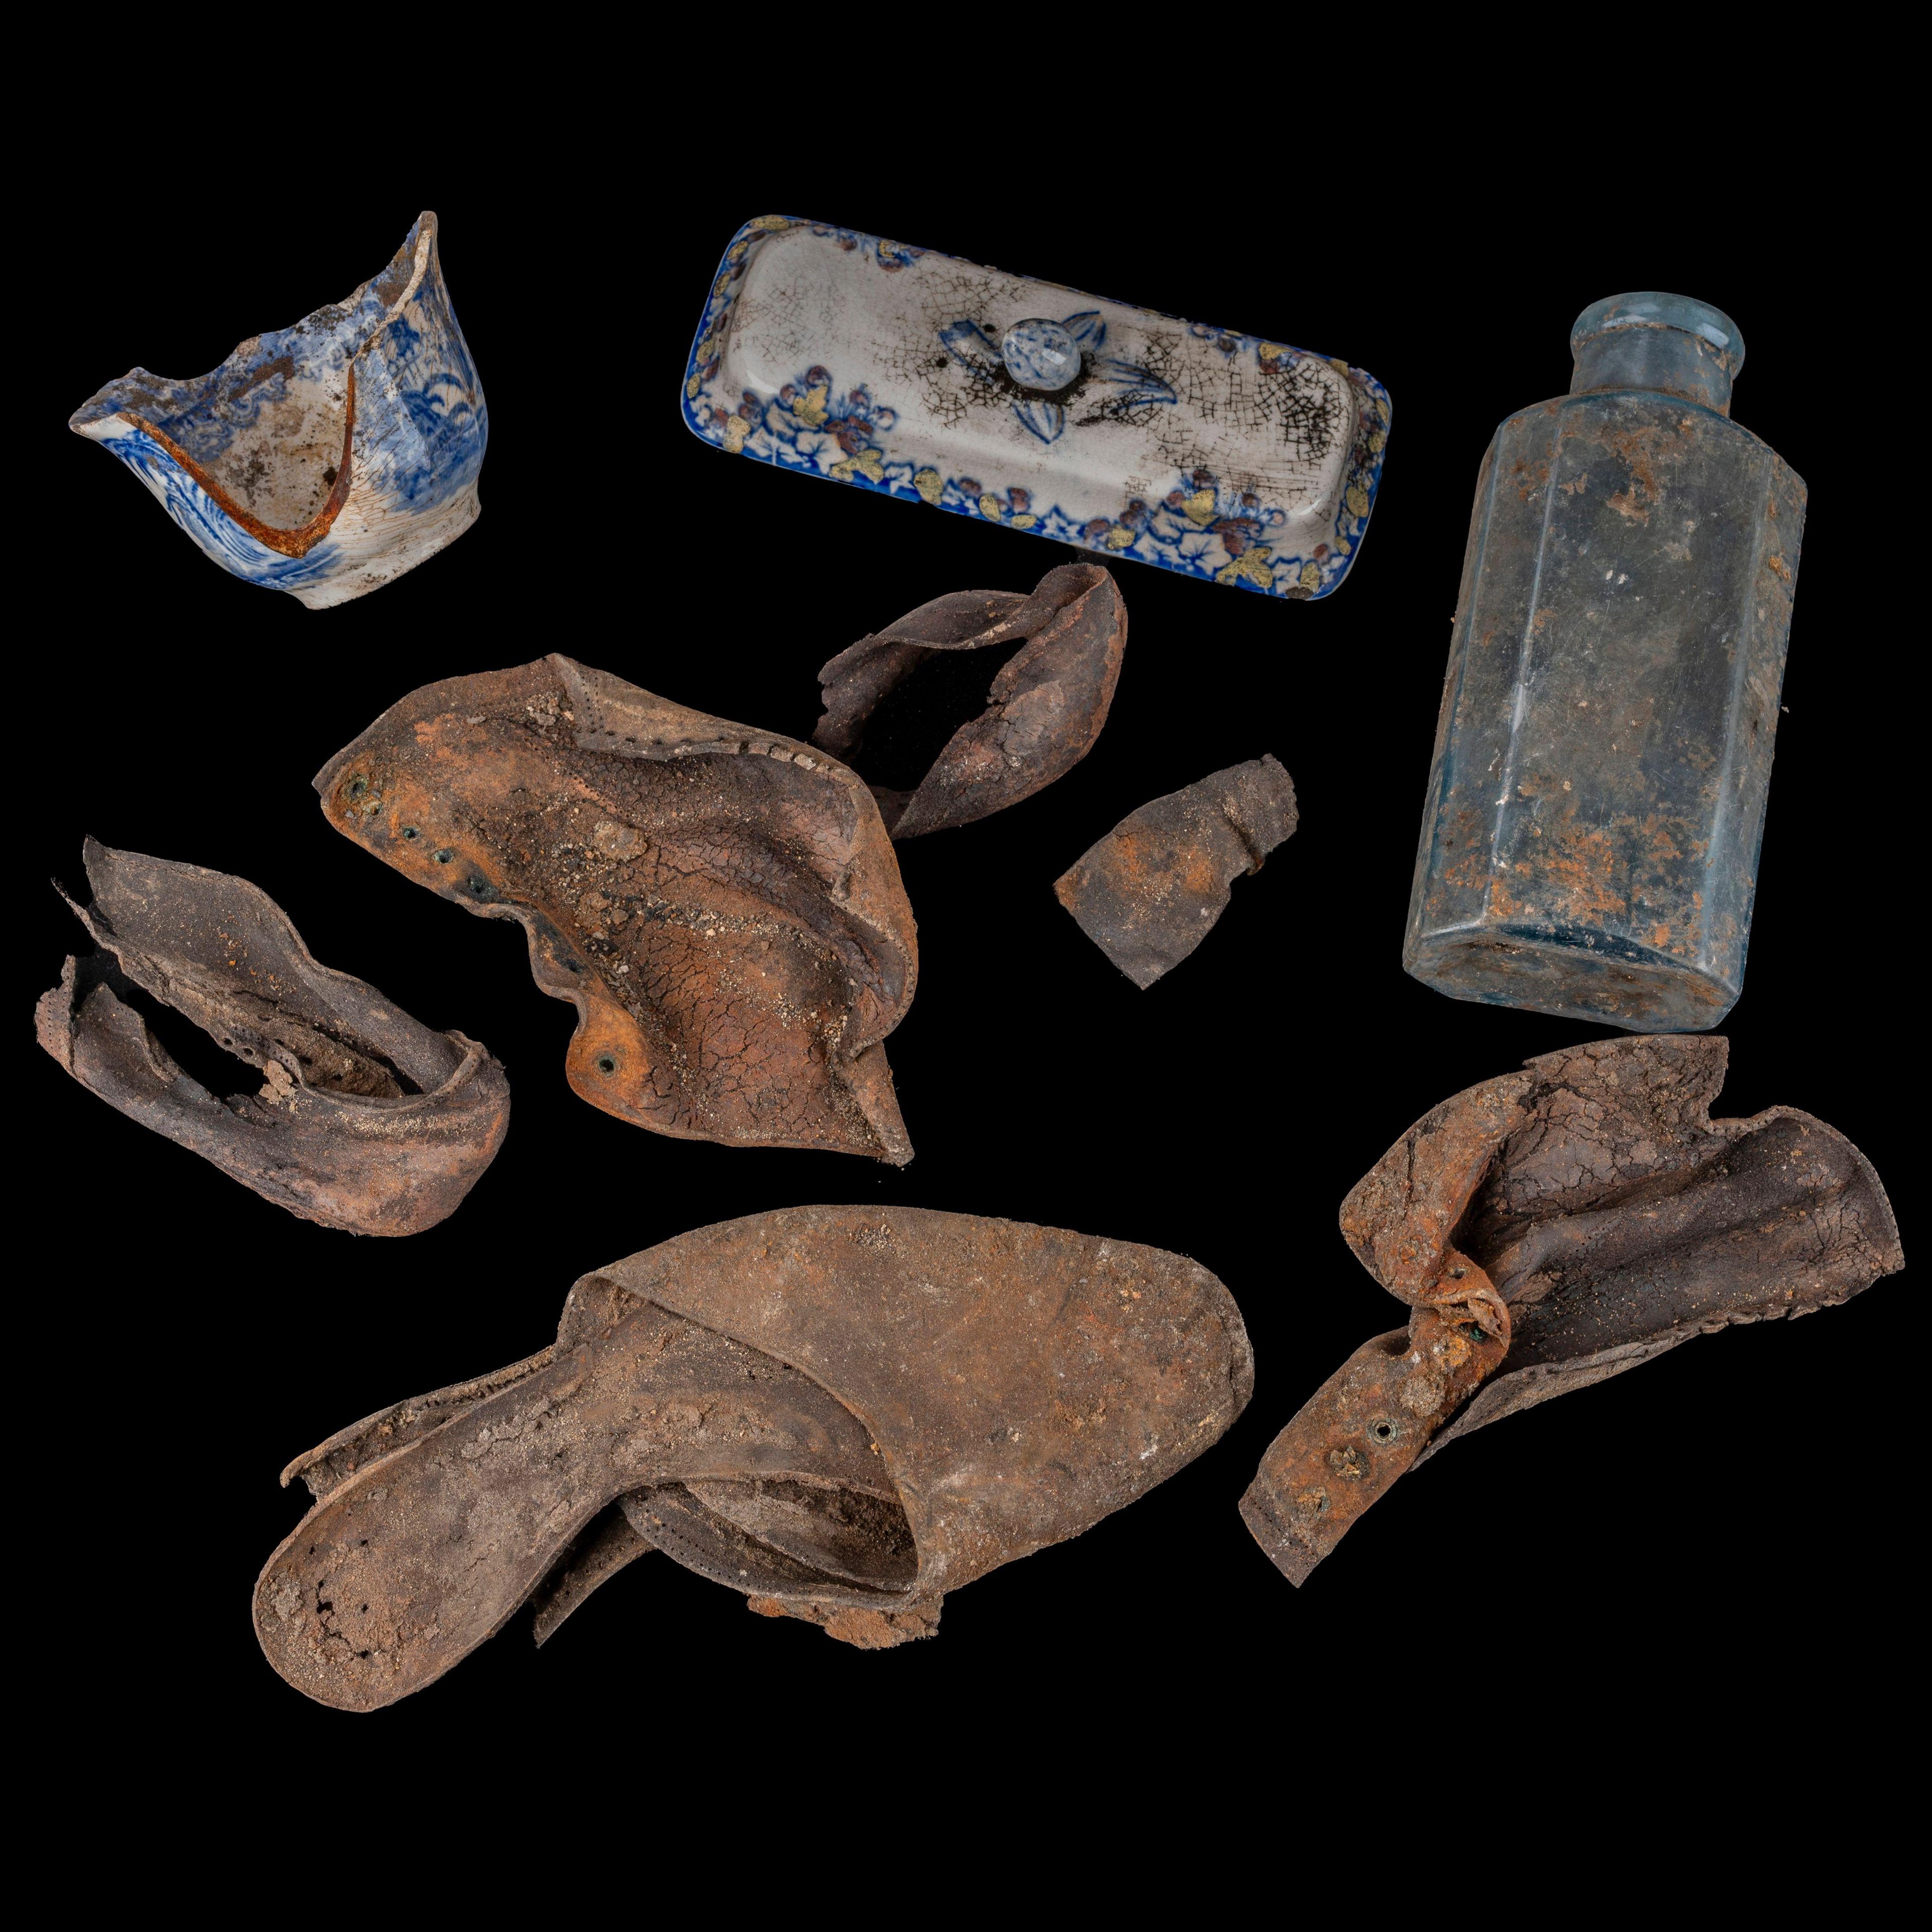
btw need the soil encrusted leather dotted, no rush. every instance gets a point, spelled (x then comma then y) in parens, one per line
(366, 1120)
(1552, 1229)
(721, 904)
(842, 1413)
(1149, 892)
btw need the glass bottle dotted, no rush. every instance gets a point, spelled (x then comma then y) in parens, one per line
(1590, 843)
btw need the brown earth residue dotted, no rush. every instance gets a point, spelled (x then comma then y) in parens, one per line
(1610, 1216)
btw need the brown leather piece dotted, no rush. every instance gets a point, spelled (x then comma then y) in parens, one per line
(1361, 1429)
(721, 904)
(1149, 892)
(1563, 1225)
(842, 1413)
(1044, 709)
(609, 1545)
(366, 1121)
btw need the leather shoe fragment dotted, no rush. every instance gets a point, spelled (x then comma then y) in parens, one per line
(721, 904)
(1552, 1229)
(841, 1413)
(1044, 709)
(366, 1120)
(1149, 892)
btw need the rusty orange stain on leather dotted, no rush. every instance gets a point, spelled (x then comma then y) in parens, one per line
(1552, 1229)
(1149, 892)
(721, 904)
(724, 1398)
(365, 1120)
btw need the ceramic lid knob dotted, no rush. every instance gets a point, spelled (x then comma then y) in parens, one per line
(1040, 354)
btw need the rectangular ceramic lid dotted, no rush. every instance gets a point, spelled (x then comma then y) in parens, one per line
(905, 372)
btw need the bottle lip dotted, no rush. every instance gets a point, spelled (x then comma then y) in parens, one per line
(1653, 308)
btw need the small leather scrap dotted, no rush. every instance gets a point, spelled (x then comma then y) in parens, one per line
(1552, 1229)
(1044, 709)
(1149, 892)
(721, 904)
(841, 1413)
(366, 1120)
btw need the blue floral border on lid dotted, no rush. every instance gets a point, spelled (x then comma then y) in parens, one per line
(1200, 527)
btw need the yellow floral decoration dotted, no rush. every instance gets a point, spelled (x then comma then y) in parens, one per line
(1253, 563)
(867, 464)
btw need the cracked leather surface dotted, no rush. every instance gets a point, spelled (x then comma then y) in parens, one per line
(721, 904)
(841, 1413)
(1552, 1228)
(366, 1120)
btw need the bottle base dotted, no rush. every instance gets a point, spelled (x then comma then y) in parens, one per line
(1642, 992)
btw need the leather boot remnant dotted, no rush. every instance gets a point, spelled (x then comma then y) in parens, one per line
(721, 904)
(722, 1398)
(366, 1120)
(1148, 893)
(1043, 711)
(1554, 1228)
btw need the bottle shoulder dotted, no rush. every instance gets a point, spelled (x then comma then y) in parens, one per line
(1623, 409)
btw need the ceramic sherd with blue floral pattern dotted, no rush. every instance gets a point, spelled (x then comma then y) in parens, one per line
(916, 375)
(324, 460)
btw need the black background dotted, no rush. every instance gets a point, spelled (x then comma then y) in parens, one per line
(1720, 1537)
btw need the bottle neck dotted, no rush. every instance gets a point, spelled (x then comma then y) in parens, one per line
(1647, 356)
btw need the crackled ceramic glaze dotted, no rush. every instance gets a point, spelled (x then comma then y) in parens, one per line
(324, 460)
(920, 375)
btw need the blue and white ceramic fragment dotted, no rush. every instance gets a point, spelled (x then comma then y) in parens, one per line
(916, 375)
(324, 460)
